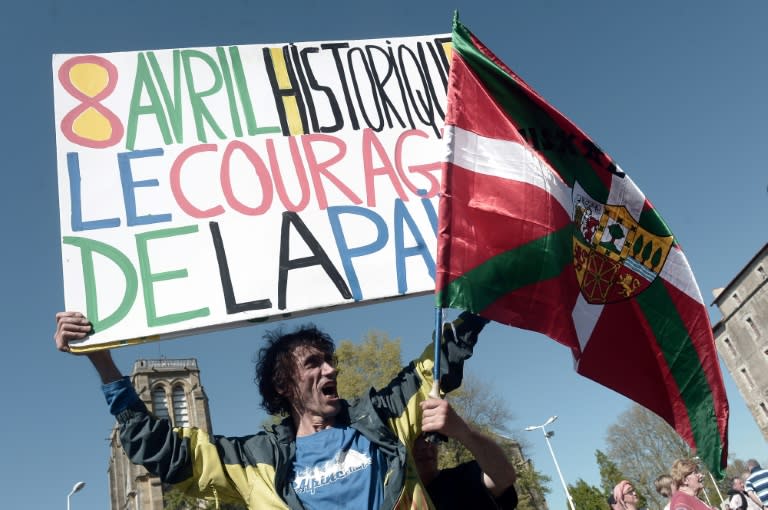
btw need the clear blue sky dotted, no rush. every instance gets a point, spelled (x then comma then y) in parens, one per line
(674, 91)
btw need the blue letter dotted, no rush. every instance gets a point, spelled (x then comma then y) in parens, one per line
(73, 165)
(429, 209)
(348, 253)
(124, 162)
(401, 252)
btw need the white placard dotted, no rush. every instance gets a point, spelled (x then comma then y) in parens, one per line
(201, 188)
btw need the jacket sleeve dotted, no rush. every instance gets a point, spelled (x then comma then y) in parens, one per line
(398, 402)
(187, 458)
(147, 440)
(459, 339)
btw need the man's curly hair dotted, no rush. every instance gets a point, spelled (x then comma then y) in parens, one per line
(276, 365)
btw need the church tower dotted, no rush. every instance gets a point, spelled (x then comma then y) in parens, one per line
(170, 388)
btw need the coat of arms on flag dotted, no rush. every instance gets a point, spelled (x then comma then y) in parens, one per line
(614, 257)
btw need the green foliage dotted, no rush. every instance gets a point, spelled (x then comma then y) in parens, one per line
(610, 474)
(373, 363)
(232, 506)
(177, 500)
(586, 497)
(174, 499)
(532, 486)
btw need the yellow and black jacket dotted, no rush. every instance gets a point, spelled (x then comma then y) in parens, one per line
(255, 469)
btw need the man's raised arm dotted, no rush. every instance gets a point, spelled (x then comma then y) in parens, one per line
(499, 473)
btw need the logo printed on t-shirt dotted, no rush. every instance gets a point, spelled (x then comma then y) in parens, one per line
(345, 463)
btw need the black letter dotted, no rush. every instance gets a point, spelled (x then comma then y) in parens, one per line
(281, 94)
(319, 258)
(226, 278)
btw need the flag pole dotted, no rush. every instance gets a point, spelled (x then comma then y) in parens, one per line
(442, 256)
(436, 437)
(435, 393)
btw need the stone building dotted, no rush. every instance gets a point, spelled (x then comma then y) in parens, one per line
(742, 334)
(170, 388)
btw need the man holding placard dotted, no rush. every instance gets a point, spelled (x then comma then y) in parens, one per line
(328, 453)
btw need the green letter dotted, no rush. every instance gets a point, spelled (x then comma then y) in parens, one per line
(172, 105)
(148, 278)
(200, 112)
(87, 248)
(144, 82)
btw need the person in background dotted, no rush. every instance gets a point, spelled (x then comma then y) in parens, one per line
(625, 495)
(665, 486)
(738, 498)
(486, 483)
(688, 478)
(756, 484)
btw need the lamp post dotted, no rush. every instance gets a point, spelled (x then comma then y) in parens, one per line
(547, 435)
(77, 488)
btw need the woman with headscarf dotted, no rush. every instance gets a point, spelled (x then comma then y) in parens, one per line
(625, 496)
(688, 478)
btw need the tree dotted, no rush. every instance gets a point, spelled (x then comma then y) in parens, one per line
(372, 363)
(587, 497)
(176, 500)
(532, 486)
(736, 468)
(610, 474)
(643, 446)
(480, 404)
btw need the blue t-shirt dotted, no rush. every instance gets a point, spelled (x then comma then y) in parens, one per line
(337, 468)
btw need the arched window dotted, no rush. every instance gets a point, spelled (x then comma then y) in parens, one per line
(180, 408)
(752, 327)
(160, 402)
(731, 348)
(748, 378)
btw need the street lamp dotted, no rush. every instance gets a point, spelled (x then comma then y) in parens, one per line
(78, 487)
(547, 435)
